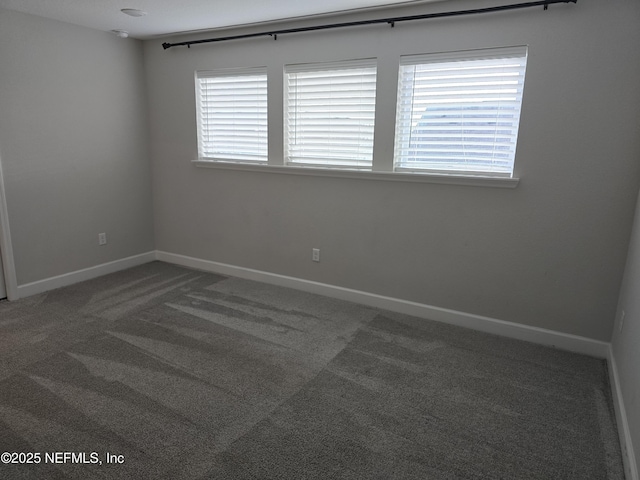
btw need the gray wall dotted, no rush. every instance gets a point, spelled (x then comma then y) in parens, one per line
(626, 343)
(549, 253)
(73, 144)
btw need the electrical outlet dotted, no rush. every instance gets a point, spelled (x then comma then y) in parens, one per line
(102, 239)
(622, 321)
(315, 254)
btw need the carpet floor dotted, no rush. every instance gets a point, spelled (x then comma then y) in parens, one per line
(164, 372)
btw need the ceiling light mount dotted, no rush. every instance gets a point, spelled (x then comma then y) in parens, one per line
(133, 12)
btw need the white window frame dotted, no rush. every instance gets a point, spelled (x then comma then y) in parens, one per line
(475, 99)
(248, 150)
(342, 84)
(383, 166)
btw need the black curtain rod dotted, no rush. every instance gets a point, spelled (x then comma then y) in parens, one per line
(390, 21)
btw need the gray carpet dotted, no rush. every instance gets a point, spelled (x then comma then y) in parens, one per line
(191, 375)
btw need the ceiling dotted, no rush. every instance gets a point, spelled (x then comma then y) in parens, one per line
(176, 16)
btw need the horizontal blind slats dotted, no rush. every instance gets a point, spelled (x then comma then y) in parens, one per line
(232, 115)
(330, 115)
(459, 114)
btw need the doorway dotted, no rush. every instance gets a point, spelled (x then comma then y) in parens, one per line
(3, 286)
(8, 280)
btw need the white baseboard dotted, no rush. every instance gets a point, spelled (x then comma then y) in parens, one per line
(562, 341)
(47, 284)
(626, 444)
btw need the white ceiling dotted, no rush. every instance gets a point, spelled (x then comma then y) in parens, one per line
(174, 16)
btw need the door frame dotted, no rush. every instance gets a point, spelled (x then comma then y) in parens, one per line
(9, 267)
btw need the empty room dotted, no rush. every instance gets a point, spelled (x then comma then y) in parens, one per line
(350, 239)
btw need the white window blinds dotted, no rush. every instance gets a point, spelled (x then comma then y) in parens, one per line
(459, 113)
(330, 114)
(232, 115)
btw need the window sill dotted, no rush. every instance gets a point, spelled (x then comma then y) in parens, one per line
(468, 180)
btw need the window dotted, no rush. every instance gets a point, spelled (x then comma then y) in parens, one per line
(232, 115)
(459, 113)
(456, 120)
(330, 113)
